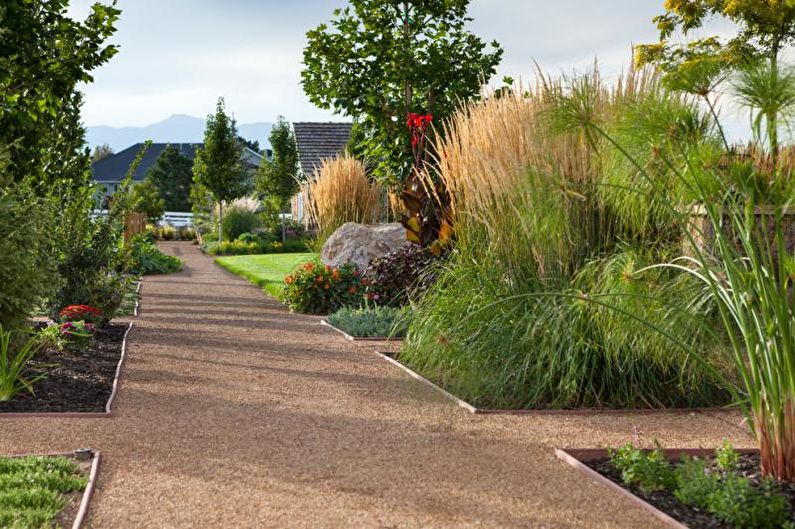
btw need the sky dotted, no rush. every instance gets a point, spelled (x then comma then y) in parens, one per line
(179, 56)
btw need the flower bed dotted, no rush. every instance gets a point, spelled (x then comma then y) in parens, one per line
(692, 488)
(369, 323)
(76, 379)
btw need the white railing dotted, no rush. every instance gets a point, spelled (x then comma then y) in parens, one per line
(176, 219)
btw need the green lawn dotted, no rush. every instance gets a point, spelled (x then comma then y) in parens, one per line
(32, 490)
(266, 271)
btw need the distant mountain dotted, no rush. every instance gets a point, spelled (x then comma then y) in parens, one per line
(176, 129)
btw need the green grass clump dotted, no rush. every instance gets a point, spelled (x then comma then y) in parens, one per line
(371, 322)
(266, 271)
(32, 489)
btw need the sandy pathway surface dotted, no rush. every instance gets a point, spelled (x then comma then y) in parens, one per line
(234, 413)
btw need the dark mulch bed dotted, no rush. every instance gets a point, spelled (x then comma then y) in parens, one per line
(80, 381)
(693, 517)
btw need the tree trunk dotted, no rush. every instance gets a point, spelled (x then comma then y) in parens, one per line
(220, 221)
(284, 229)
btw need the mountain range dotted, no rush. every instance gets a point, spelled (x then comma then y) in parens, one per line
(179, 128)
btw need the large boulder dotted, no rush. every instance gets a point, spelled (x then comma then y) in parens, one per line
(359, 244)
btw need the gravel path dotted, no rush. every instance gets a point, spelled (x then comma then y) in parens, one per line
(234, 413)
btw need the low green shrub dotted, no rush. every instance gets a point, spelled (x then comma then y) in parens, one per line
(717, 489)
(371, 322)
(259, 237)
(15, 357)
(238, 221)
(146, 258)
(316, 288)
(241, 247)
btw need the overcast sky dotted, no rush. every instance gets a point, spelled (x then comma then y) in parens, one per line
(178, 56)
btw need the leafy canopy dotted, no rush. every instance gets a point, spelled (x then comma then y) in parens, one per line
(279, 177)
(172, 174)
(379, 60)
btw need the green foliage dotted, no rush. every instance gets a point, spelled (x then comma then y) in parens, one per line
(43, 57)
(218, 167)
(101, 152)
(378, 61)
(27, 274)
(240, 247)
(145, 198)
(726, 458)
(371, 322)
(279, 178)
(316, 288)
(32, 489)
(145, 258)
(172, 174)
(15, 355)
(650, 470)
(238, 221)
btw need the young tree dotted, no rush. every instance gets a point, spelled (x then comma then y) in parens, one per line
(380, 60)
(765, 30)
(145, 198)
(172, 174)
(218, 166)
(278, 179)
(100, 152)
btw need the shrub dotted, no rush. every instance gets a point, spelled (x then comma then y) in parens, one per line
(316, 288)
(401, 275)
(15, 356)
(237, 248)
(27, 271)
(165, 233)
(146, 258)
(371, 322)
(260, 237)
(80, 313)
(650, 470)
(340, 192)
(239, 220)
(77, 335)
(186, 234)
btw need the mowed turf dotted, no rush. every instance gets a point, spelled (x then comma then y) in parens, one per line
(266, 271)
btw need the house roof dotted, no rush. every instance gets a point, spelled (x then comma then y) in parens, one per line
(319, 141)
(114, 167)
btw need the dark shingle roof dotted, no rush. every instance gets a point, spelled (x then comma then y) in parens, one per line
(114, 167)
(319, 141)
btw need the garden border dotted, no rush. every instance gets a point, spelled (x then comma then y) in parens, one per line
(93, 475)
(137, 298)
(390, 357)
(576, 458)
(78, 414)
(350, 338)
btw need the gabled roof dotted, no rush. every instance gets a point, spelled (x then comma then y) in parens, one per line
(114, 167)
(319, 141)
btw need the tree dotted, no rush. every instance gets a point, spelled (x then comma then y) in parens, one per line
(251, 144)
(44, 54)
(765, 29)
(100, 152)
(145, 198)
(380, 60)
(278, 179)
(172, 174)
(218, 166)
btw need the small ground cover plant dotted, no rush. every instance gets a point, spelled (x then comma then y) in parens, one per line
(33, 489)
(316, 288)
(716, 485)
(77, 334)
(371, 321)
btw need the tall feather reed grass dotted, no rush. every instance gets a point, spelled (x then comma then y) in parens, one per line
(341, 192)
(547, 221)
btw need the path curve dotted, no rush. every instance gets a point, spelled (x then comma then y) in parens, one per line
(234, 413)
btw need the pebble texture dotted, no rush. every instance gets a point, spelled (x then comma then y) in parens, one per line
(234, 413)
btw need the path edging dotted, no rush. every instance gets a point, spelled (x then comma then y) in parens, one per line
(77, 414)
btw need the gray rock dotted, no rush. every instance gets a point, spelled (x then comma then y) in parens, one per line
(359, 244)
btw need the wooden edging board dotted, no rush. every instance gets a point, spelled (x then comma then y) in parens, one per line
(577, 457)
(390, 357)
(84, 415)
(347, 336)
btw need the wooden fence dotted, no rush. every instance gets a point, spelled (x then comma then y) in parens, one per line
(134, 223)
